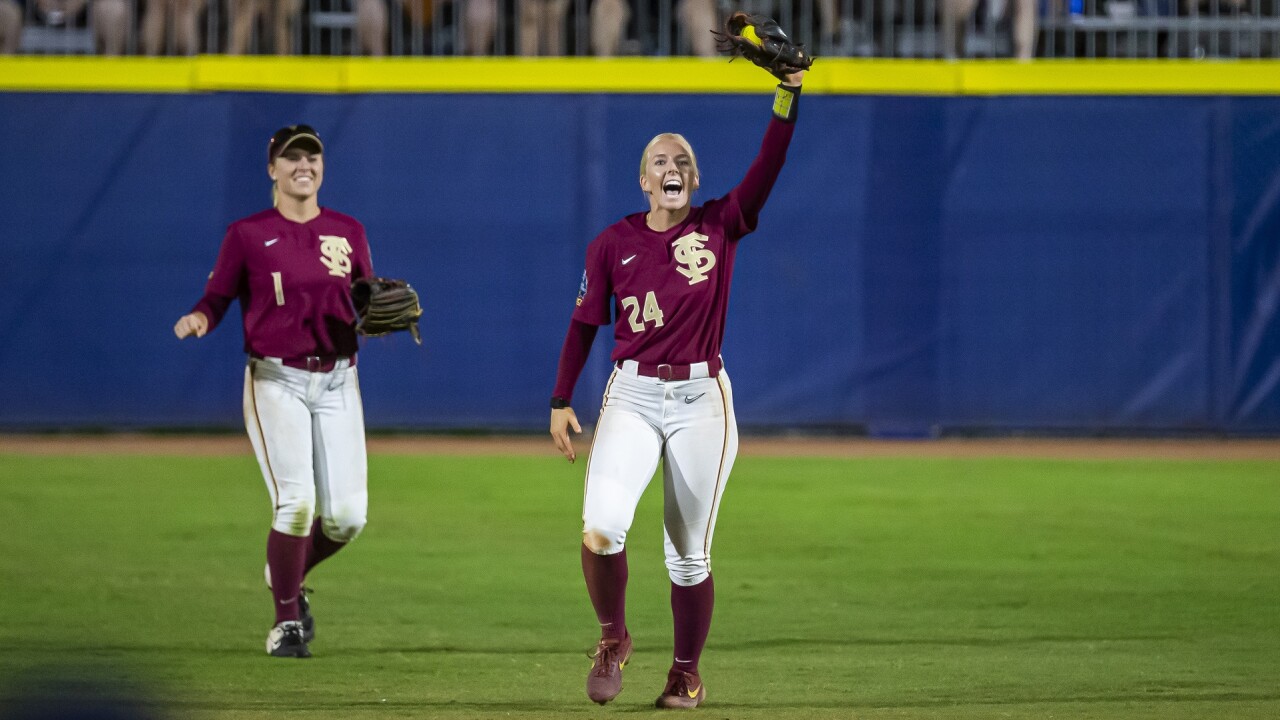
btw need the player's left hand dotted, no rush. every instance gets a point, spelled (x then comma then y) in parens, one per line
(759, 39)
(561, 420)
(794, 79)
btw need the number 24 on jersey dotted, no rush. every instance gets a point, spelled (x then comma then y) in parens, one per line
(652, 313)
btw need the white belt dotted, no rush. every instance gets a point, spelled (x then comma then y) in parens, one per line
(695, 371)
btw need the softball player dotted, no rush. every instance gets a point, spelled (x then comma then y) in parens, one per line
(665, 275)
(292, 267)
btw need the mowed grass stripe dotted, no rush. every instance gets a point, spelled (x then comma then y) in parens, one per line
(869, 588)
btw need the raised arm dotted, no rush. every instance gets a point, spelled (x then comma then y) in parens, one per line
(749, 197)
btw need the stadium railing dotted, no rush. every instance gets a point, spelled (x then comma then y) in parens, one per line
(834, 28)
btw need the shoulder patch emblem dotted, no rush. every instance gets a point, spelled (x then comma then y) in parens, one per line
(582, 288)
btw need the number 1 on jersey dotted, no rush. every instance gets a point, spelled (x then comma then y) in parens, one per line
(652, 313)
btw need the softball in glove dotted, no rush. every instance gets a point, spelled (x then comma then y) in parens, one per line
(759, 39)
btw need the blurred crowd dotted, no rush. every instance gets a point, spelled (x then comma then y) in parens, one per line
(892, 28)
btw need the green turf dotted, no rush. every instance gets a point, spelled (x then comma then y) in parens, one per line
(867, 588)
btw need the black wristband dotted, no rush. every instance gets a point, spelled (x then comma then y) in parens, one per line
(784, 102)
(558, 403)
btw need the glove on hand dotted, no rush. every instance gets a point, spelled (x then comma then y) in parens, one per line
(759, 39)
(384, 305)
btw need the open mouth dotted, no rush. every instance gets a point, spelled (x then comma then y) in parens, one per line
(672, 187)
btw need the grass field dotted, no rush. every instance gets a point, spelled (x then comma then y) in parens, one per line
(847, 588)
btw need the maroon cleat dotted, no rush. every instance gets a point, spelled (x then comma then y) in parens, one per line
(684, 690)
(604, 682)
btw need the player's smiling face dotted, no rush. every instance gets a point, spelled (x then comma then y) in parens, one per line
(670, 175)
(298, 173)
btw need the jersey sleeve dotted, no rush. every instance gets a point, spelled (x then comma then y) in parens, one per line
(362, 262)
(227, 281)
(573, 358)
(740, 209)
(595, 291)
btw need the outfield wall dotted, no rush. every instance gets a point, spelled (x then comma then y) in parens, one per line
(930, 258)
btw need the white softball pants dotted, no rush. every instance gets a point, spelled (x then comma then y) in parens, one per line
(690, 426)
(307, 429)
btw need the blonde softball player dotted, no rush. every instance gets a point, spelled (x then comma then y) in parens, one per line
(665, 275)
(292, 267)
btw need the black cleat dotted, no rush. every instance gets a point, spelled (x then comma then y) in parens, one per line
(285, 640)
(304, 616)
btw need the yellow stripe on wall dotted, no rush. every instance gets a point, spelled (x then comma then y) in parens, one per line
(835, 76)
(1121, 77)
(555, 75)
(80, 74)
(213, 73)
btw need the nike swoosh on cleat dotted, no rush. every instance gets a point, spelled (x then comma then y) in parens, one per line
(633, 257)
(694, 692)
(690, 399)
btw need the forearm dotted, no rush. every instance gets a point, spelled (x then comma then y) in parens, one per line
(754, 189)
(226, 282)
(213, 307)
(573, 358)
(786, 101)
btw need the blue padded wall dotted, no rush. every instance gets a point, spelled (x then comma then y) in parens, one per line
(1057, 264)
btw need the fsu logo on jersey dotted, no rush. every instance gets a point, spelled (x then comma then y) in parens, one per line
(696, 259)
(582, 288)
(335, 253)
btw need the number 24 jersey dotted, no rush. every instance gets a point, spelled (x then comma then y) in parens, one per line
(669, 290)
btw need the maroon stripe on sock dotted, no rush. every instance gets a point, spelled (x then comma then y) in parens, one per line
(286, 556)
(606, 577)
(691, 610)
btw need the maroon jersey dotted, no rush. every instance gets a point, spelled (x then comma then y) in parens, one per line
(293, 281)
(670, 289)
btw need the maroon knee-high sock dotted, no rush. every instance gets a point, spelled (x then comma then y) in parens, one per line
(691, 609)
(285, 556)
(320, 547)
(606, 577)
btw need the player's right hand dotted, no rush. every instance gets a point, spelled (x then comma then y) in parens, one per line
(561, 420)
(193, 324)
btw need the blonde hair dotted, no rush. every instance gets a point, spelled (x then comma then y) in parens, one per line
(275, 184)
(644, 157)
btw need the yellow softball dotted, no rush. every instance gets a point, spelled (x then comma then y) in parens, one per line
(749, 32)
